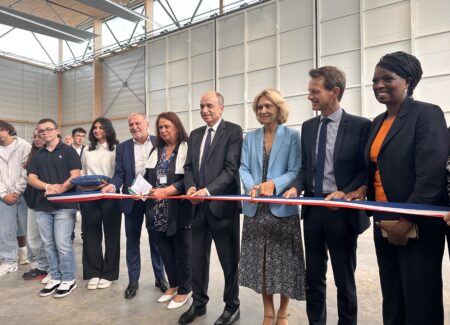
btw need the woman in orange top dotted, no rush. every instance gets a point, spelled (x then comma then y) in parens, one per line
(406, 156)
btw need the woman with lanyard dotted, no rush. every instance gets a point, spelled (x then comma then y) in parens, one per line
(171, 219)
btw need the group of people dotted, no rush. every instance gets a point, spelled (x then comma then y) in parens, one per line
(401, 156)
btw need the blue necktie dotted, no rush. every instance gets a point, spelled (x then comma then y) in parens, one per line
(320, 161)
(202, 174)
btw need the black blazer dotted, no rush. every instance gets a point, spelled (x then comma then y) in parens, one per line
(413, 156)
(222, 167)
(124, 173)
(178, 211)
(349, 168)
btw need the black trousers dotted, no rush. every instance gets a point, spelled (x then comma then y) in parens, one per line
(225, 232)
(176, 253)
(330, 230)
(98, 217)
(411, 278)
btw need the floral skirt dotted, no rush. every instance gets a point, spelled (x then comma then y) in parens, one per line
(272, 245)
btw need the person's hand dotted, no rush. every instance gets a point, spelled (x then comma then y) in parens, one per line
(54, 189)
(10, 198)
(108, 189)
(335, 195)
(266, 188)
(292, 192)
(201, 192)
(103, 184)
(396, 232)
(358, 195)
(191, 191)
(447, 219)
(158, 192)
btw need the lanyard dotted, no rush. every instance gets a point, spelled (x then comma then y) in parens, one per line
(165, 163)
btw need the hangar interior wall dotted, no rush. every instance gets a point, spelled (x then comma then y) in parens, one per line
(273, 44)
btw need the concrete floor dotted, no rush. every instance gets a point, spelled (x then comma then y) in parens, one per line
(20, 304)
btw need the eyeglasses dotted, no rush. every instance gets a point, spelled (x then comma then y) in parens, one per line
(47, 130)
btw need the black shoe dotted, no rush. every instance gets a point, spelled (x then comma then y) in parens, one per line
(228, 317)
(34, 274)
(131, 290)
(188, 316)
(162, 285)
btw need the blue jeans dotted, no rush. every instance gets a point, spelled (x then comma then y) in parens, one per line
(36, 251)
(56, 228)
(8, 229)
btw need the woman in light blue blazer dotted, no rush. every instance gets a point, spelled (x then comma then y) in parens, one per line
(272, 260)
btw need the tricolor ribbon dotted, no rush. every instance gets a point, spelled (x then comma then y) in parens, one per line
(404, 208)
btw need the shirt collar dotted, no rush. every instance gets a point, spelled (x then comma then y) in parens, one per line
(59, 145)
(137, 142)
(215, 126)
(335, 117)
(104, 145)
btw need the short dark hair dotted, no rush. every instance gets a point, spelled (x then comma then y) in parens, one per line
(48, 120)
(111, 138)
(404, 65)
(8, 127)
(78, 130)
(172, 117)
(333, 77)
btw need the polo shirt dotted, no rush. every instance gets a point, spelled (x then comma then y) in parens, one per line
(54, 168)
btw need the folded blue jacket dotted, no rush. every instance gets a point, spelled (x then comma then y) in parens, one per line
(89, 180)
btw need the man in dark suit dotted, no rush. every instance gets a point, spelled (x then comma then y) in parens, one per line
(212, 168)
(131, 157)
(332, 166)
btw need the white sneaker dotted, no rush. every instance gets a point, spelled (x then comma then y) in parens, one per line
(8, 268)
(50, 288)
(47, 279)
(103, 283)
(65, 289)
(93, 283)
(23, 259)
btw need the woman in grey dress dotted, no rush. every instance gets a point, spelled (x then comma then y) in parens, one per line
(272, 260)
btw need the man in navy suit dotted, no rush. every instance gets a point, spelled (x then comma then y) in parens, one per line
(131, 157)
(332, 166)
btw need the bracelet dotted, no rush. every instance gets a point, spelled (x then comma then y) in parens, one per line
(46, 187)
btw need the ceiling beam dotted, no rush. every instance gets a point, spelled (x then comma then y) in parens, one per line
(39, 25)
(114, 9)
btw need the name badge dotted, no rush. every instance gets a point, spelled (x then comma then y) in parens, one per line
(162, 179)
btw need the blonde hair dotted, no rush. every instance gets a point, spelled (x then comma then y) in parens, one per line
(275, 97)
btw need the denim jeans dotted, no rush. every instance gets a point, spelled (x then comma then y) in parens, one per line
(56, 228)
(22, 216)
(36, 251)
(8, 229)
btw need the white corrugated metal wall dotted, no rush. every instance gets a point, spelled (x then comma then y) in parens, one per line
(27, 93)
(77, 97)
(123, 88)
(274, 44)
